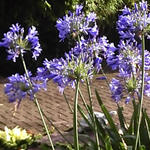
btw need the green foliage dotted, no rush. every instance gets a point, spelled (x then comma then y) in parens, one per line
(122, 138)
(62, 146)
(105, 9)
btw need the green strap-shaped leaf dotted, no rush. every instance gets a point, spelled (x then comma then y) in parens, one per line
(85, 117)
(108, 145)
(122, 120)
(108, 117)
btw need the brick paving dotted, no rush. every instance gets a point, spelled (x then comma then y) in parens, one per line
(55, 107)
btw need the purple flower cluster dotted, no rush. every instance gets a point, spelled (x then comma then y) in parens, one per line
(127, 57)
(132, 23)
(84, 59)
(53, 69)
(81, 62)
(95, 49)
(65, 71)
(77, 24)
(129, 62)
(16, 43)
(111, 57)
(129, 87)
(19, 87)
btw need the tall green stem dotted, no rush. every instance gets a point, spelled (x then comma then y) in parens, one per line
(93, 115)
(37, 103)
(75, 118)
(84, 102)
(142, 91)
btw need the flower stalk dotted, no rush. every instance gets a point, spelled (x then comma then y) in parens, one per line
(141, 92)
(37, 103)
(93, 115)
(75, 118)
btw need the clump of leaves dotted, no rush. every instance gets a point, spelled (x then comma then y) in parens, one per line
(122, 138)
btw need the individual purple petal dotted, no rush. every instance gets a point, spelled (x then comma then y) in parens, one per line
(78, 9)
(101, 78)
(127, 99)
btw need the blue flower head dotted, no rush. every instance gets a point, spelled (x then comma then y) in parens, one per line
(81, 62)
(66, 71)
(129, 87)
(129, 64)
(16, 42)
(129, 58)
(77, 24)
(18, 87)
(133, 23)
(124, 88)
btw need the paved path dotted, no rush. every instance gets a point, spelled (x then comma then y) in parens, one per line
(55, 107)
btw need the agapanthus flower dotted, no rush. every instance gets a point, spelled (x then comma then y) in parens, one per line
(17, 43)
(95, 48)
(77, 24)
(133, 23)
(126, 88)
(129, 87)
(129, 64)
(81, 62)
(66, 71)
(129, 58)
(18, 87)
